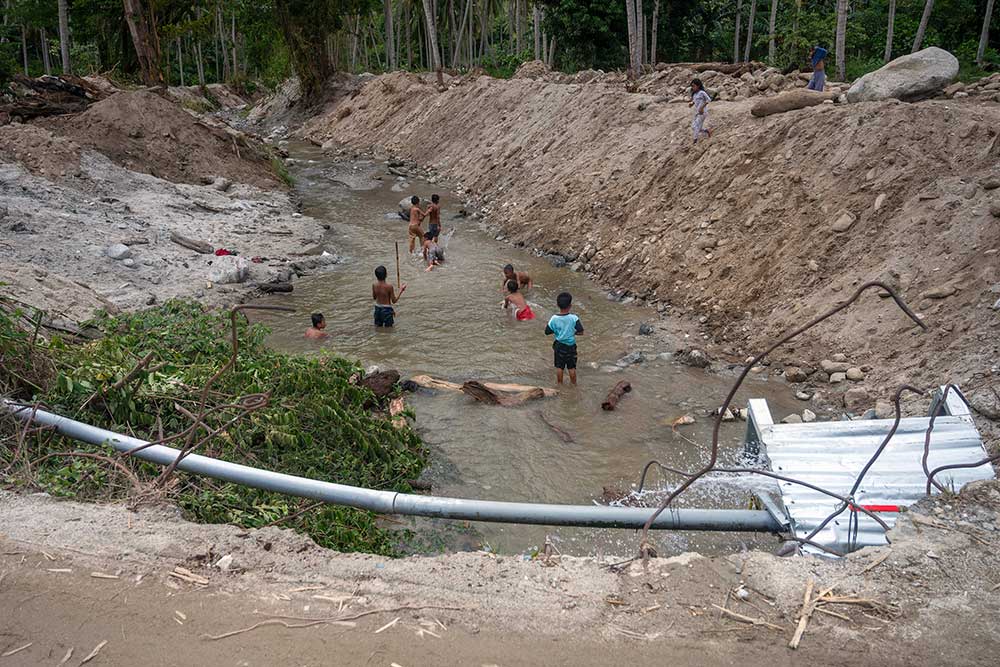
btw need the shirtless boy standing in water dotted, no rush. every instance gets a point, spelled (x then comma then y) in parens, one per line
(522, 278)
(416, 217)
(385, 296)
(434, 213)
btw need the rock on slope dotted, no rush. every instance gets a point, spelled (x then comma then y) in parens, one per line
(757, 230)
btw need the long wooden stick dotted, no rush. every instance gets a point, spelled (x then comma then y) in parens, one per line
(398, 281)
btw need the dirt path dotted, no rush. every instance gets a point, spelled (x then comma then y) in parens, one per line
(936, 592)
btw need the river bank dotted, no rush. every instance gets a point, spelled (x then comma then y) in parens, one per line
(92, 207)
(745, 236)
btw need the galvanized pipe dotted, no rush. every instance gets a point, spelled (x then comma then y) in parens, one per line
(392, 502)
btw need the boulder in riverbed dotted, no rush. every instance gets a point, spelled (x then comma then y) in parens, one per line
(910, 77)
(228, 269)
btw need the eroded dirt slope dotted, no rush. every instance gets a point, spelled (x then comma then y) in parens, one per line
(753, 232)
(144, 132)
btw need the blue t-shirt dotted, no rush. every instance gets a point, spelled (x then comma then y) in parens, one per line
(819, 53)
(565, 327)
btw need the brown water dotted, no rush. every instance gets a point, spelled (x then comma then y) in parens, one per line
(450, 324)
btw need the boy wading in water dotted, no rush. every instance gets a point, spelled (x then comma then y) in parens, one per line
(515, 300)
(817, 56)
(566, 326)
(433, 253)
(318, 324)
(699, 100)
(434, 213)
(522, 278)
(416, 217)
(385, 296)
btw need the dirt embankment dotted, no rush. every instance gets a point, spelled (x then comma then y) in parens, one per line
(146, 133)
(73, 575)
(91, 205)
(753, 232)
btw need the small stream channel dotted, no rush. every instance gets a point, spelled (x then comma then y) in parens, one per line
(450, 324)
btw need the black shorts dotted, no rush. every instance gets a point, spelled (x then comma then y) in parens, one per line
(435, 231)
(384, 316)
(565, 355)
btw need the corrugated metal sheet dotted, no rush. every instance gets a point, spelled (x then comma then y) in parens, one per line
(832, 454)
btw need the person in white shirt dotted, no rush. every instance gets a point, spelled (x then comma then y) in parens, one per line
(699, 100)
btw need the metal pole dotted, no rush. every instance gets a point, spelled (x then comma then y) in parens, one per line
(391, 502)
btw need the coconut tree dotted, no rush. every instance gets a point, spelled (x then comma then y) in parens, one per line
(888, 31)
(841, 45)
(736, 36)
(984, 36)
(771, 50)
(64, 35)
(749, 44)
(918, 40)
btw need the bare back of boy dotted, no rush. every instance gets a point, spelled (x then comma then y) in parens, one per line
(383, 293)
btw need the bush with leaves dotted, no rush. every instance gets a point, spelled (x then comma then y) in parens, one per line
(319, 422)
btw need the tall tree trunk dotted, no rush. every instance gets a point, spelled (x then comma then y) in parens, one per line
(24, 48)
(235, 61)
(536, 14)
(841, 45)
(984, 35)
(409, 37)
(736, 36)
(918, 40)
(519, 11)
(654, 32)
(749, 44)
(201, 62)
(635, 64)
(390, 49)
(46, 61)
(142, 26)
(891, 24)
(771, 48)
(640, 33)
(226, 71)
(552, 52)
(461, 34)
(432, 42)
(64, 36)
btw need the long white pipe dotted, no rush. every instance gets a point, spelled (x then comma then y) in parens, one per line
(392, 502)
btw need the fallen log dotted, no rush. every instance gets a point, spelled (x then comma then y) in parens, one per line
(192, 244)
(484, 394)
(789, 101)
(276, 288)
(615, 395)
(428, 382)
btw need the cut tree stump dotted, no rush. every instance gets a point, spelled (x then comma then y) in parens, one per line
(192, 244)
(484, 394)
(615, 395)
(789, 101)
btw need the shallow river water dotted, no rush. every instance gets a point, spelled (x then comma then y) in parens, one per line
(450, 324)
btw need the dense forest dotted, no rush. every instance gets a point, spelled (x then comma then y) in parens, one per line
(260, 42)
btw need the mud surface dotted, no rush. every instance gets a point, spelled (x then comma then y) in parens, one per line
(933, 590)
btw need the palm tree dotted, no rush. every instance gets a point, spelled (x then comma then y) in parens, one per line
(64, 35)
(736, 37)
(433, 41)
(984, 36)
(749, 44)
(841, 45)
(889, 29)
(635, 63)
(390, 49)
(918, 41)
(770, 39)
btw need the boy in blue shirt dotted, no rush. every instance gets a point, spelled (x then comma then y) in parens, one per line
(817, 56)
(566, 327)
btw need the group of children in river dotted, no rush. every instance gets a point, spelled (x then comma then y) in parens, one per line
(565, 325)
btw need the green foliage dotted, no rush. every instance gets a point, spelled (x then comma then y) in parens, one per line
(319, 422)
(282, 170)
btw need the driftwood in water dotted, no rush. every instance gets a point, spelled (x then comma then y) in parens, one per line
(789, 101)
(615, 395)
(484, 394)
(382, 384)
(275, 288)
(563, 435)
(428, 382)
(192, 244)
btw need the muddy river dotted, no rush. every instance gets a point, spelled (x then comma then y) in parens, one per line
(450, 324)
